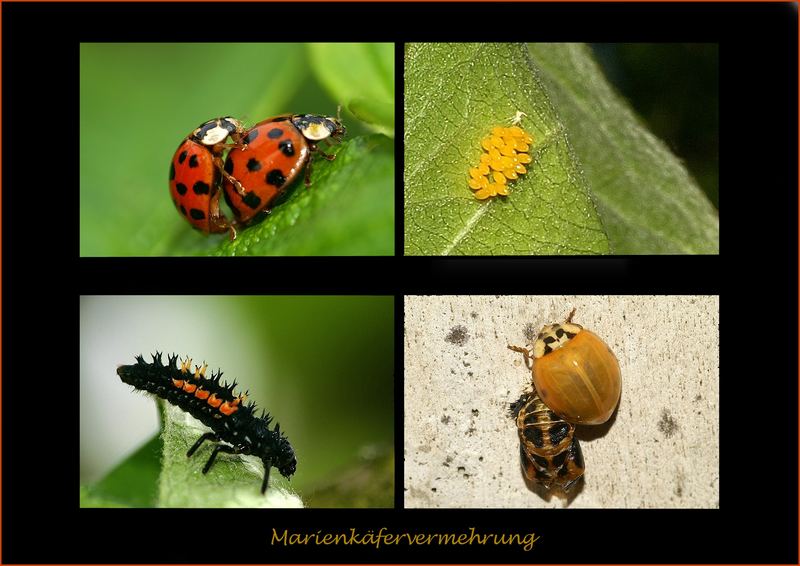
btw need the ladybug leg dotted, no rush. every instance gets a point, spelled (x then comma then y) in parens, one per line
(525, 352)
(219, 448)
(239, 188)
(207, 436)
(217, 221)
(267, 467)
(232, 233)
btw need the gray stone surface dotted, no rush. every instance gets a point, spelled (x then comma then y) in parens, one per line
(661, 450)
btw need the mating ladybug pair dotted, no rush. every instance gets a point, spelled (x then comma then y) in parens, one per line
(576, 380)
(261, 163)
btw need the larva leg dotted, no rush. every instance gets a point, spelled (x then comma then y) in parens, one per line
(206, 436)
(267, 467)
(217, 449)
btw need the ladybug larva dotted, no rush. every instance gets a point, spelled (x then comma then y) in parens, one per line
(503, 160)
(576, 380)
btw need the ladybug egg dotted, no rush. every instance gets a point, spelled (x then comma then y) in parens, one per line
(576, 374)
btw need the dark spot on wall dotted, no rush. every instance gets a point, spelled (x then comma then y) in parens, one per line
(473, 314)
(667, 425)
(475, 412)
(458, 335)
(445, 419)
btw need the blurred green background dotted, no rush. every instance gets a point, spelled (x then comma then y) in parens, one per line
(323, 366)
(674, 88)
(138, 102)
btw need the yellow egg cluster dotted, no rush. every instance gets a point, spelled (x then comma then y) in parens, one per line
(504, 160)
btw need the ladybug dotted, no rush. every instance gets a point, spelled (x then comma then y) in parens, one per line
(196, 170)
(576, 380)
(272, 155)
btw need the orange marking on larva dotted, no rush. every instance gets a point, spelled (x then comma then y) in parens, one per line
(228, 408)
(189, 387)
(202, 393)
(177, 383)
(214, 401)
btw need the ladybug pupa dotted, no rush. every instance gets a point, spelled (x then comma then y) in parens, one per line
(575, 380)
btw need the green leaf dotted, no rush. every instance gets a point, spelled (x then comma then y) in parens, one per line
(455, 94)
(367, 484)
(133, 483)
(348, 209)
(648, 201)
(233, 480)
(360, 76)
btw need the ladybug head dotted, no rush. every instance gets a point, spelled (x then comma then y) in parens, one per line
(554, 336)
(217, 131)
(317, 128)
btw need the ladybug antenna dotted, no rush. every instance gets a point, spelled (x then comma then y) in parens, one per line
(571, 314)
(339, 113)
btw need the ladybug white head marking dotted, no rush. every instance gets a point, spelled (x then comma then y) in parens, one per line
(217, 131)
(554, 336)
(317, 128)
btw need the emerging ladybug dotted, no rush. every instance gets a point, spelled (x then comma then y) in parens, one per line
(576, 380)
(196, 171)
(272, 155)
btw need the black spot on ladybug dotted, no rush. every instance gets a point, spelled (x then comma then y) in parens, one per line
(549, 340)
(534, 435)
(251, 136)
(183, 210)
(197, 214)
(276, 178)
(171, 171)
(560, 332)
(667, 425)
(252, 200)
(274, 133)
(182, 156)
(458, 335)
(287, 147)
(229, 167)
(253, 164)
(558, 432)
(181, 188)
(570, 335)
(547, 348)
(201, 188)
(193, 161)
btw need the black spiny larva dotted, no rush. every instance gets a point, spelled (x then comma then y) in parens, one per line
(214, 404)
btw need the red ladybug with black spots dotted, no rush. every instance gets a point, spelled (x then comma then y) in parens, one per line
(196, 171)
(270, 157)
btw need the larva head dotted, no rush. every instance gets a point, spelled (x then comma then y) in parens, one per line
(286, 461)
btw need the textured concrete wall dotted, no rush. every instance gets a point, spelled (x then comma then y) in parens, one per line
(661, 450)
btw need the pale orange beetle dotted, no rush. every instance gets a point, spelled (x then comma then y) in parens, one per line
(576, 380)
